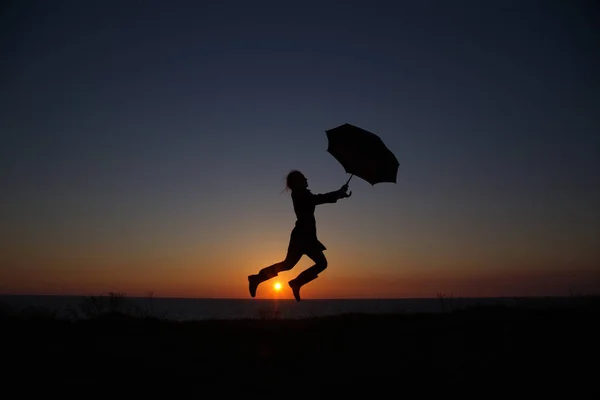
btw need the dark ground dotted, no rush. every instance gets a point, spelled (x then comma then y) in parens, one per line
(487, 352)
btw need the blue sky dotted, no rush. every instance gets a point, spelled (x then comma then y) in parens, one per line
(155, 136)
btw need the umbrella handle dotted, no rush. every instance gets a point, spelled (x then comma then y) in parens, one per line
(349, 179)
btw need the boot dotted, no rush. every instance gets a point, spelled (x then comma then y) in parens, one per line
(300, 281)
(255, 280)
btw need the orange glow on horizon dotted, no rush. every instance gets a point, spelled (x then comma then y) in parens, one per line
(227, 278)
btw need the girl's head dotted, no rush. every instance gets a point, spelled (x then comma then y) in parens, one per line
(296, 180)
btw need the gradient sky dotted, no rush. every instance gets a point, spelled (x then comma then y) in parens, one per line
(145, 145)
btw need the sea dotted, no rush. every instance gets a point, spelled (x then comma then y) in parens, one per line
(187, 309)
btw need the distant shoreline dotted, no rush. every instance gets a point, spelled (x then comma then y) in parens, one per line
(566, 296)
(86, 307)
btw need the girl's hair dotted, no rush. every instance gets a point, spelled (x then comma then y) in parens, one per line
(292, 179)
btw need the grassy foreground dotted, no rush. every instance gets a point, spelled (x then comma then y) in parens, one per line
(483, 351)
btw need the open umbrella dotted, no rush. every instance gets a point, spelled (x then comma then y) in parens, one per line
(362, 153)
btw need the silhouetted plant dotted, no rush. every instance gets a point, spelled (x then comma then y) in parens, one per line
(115, 304)
(445, 301)
(269, 313)
(451, 303)
(147, 309)
(97, 306)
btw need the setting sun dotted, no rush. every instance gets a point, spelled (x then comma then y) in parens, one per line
(277, 286)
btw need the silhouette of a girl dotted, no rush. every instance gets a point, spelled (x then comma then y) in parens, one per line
(303, 239)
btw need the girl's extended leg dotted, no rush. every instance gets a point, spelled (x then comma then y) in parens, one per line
(310, 274)
(291, 259)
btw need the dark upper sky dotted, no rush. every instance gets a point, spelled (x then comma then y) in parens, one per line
(156, 128)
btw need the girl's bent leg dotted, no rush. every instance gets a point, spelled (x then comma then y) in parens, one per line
(310, 274)
(272, 271)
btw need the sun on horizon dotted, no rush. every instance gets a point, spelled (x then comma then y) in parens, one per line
(277, 286)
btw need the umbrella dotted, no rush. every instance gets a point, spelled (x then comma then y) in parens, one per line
(362, 153)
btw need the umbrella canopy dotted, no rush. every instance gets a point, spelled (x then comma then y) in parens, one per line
(362, 153)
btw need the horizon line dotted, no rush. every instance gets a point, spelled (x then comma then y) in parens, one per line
(441, 296)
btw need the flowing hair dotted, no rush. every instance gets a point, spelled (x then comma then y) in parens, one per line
(291, 180)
